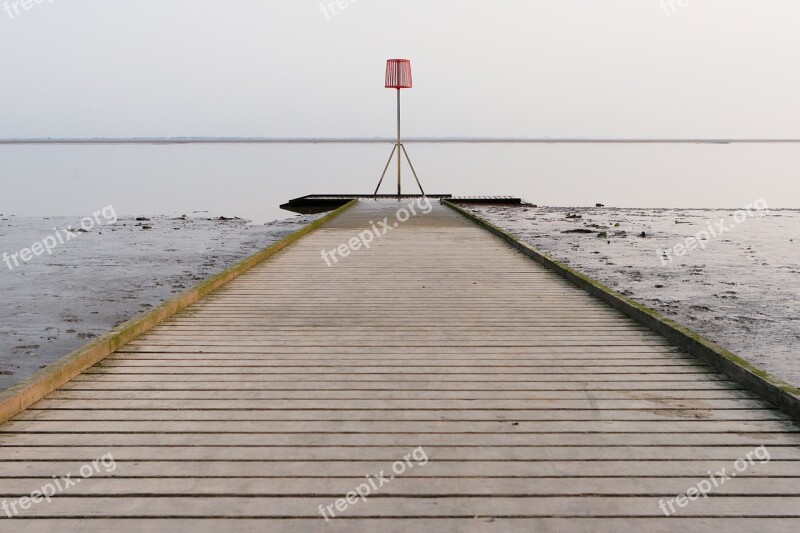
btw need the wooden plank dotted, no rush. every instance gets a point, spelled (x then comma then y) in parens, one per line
(655, 425)
(404, 403)
(409, 440)
(410, 350)
(297, 413)
(93, 384)
(552, 397)
(400, 486)
(434, 469)
(390, 453)
(406, 377)
(266, 507)
(442, 525)
(283, 390)
(426, 370)
(212, 360)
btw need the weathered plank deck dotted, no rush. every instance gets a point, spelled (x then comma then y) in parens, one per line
(539, 407)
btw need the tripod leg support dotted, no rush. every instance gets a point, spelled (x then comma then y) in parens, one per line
(385, 170)
(402, 147)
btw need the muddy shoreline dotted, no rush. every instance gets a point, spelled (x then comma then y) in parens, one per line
(740, 288)
(56, 303)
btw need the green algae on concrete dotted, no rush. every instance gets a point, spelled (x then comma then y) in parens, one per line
(779, 393)
(21, 396)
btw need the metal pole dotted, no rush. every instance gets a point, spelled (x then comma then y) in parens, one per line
(399, 145)
(384, 171)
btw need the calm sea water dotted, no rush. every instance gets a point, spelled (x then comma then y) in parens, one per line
(251, 180)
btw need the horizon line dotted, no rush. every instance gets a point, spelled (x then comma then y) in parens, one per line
(381, 140)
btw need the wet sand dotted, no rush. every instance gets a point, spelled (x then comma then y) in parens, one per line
(56, 303)
(742, 291)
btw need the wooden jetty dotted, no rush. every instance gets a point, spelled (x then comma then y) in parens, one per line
(538, 406)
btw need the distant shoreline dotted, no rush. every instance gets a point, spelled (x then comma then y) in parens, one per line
(360, 140)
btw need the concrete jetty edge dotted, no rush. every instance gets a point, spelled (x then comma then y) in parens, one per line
(32, 389)
(779, 393)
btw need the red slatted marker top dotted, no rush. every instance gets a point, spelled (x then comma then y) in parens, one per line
(398, 74)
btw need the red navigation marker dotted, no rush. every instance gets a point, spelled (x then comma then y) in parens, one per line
(398, 76)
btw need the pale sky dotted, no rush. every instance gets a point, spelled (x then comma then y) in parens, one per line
(574, 68)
